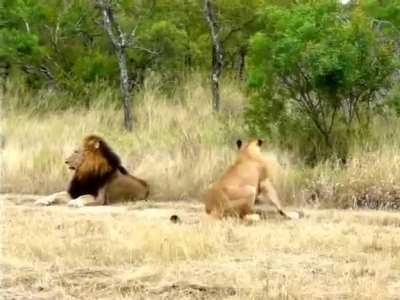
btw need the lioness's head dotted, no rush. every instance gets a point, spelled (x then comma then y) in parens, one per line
(75, 160)
(254, 143)
(250, 148)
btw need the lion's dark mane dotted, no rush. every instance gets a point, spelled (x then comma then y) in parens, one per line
(90, 185)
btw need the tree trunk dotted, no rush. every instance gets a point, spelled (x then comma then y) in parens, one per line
(241, 62)
(118, 40)
(217, 52)
(5, 68)
(125, 88)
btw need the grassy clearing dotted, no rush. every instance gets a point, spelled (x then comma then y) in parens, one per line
(179, 146)
(133, 252)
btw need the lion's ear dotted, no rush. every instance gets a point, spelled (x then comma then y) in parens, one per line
(259, 142)
(97, 145)
(239, 143)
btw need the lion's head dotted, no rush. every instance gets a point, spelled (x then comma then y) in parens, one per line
(75, 160)
(93, 163)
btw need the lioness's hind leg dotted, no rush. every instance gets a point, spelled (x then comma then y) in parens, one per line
(241, 200)
(230, 201)
(240, 192)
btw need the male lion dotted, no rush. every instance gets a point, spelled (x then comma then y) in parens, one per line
(99, 177)
(235, 193)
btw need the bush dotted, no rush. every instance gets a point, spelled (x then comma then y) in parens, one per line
(315, 76)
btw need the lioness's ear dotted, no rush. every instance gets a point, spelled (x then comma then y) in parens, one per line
(259, 142)
(239, 143)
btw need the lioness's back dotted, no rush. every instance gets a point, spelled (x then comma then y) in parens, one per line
(242, 172)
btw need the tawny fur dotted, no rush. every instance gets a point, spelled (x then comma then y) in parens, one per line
(95, 166)
(235, 193)
(93, 163)
(99, 177)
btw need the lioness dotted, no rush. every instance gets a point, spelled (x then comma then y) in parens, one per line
(235, 193)
(99, 177)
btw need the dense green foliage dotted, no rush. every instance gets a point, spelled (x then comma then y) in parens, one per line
(316, 70)
(62, 42)
(319, 72)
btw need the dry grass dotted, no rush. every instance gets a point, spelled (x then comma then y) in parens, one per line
(370, 179)
(134, 252)
(178, 144)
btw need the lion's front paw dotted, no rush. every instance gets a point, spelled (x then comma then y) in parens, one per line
(76, 203)
(45, 201)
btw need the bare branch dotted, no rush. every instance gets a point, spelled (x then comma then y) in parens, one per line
(150, 51)
(236, 29)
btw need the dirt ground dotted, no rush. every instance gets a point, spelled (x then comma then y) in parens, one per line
(133, 251)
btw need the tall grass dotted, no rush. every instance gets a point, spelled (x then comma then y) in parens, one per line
(180, 146)
(370, 177)
(177, 143)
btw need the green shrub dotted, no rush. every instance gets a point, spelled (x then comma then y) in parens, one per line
(316, 72)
